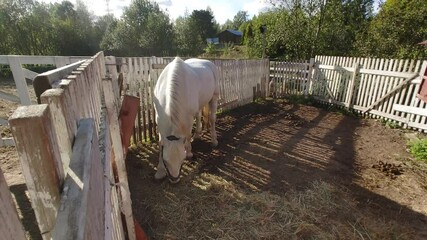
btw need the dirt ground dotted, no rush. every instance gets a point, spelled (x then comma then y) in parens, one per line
(279, 150)
(281, 171)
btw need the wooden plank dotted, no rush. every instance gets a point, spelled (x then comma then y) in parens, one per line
(51, 78)
(81, 215)
(127, 117)
(9, 97)
(391, 92)
(386, 73)
(19, 78)
(113, 221)
(55, 98)
(10, 227)
(29, 74)
(4, 142)
(30, 59)
(350, 92)
(395, 97)
(119, 158)
(38, 150)
(158, 65)
(409, 109)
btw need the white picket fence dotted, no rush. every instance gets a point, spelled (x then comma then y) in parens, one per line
(20, 74)
(240, 82)
(380, 88)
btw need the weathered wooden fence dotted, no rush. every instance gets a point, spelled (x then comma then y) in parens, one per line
(290, 78)
(240, 82)
(21, 74)
(69, 146)
(385, 88)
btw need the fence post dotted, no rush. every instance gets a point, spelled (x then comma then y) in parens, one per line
(56, 100)
(81, 215)
(307, 89)
(117, 149)
(19, 78)
(10, 227)
(350, 90)
(39, 153)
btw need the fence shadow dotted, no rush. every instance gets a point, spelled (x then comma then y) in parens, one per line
(29, 218)
(279, 148)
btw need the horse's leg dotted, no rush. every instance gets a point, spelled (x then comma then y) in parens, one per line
(198, 125)
(213, 105)
(161, 171)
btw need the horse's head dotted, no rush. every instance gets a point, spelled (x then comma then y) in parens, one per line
(173, 155)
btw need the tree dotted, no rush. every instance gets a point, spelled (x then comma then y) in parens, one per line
(145, 30)
(240, 18)
(189, 43)
(203, 24)
(396, 30)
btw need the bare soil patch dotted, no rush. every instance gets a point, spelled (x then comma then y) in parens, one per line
(286, 171)
(10, 163)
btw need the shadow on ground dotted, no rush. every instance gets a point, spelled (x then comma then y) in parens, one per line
(275, 148)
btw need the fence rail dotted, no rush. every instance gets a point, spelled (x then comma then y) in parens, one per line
(20, 74)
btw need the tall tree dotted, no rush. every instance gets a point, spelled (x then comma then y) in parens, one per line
(203, 23)
(396, 30)
(145, 30)
(240, 18)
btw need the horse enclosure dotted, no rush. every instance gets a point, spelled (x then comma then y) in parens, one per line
(71, 141)
(72, 146)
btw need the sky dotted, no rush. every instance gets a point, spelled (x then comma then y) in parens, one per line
(223, 9)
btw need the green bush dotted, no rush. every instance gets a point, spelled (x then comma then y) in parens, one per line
(418, 149)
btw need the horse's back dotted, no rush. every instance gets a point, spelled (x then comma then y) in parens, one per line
(206, 71)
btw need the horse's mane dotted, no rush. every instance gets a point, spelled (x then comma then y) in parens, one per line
(174, 100)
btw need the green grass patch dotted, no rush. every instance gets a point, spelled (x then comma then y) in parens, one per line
(418, 148)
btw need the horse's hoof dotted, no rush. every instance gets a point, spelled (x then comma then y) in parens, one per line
(174, 181)
(189, 156)
(214, 143)
(196, 136)
(160, 175)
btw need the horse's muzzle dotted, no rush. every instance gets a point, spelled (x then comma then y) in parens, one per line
(171, 178)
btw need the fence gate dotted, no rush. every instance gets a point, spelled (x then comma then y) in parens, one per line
(384, 88)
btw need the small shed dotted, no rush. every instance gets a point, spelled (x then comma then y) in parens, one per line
(230, 36)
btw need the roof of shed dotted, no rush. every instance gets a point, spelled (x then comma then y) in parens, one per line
(235, 32)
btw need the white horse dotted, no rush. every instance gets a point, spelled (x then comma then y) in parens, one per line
(182, 90)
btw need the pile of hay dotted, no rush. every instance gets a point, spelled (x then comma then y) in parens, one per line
(210, 207)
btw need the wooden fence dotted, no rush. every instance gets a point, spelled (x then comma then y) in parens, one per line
(380, 88)
(290, 78)
(21, 74)
(68, 146)
(240, 81)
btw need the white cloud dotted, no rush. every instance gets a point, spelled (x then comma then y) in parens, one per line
(255, 6)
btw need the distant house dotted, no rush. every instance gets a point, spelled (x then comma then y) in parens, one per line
(230, 36)
(212, 40)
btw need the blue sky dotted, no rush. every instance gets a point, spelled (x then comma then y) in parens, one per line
(223, 9)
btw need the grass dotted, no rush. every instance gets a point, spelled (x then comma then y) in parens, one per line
(390, 124)
(418, 148)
